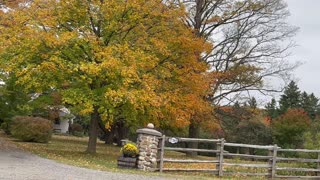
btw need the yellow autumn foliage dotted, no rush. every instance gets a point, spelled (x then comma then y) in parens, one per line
(129, 150)
(132, 59)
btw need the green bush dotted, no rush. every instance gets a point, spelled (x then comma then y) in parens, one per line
(288, 129)
(31, 129)
(5, 126)
(76, 130)
(76, 127)
(78, 133)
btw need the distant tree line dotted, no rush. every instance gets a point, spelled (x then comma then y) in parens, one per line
(290, 122)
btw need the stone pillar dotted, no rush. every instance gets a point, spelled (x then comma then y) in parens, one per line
(147, 142)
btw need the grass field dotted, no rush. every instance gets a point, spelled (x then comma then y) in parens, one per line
(71, 150)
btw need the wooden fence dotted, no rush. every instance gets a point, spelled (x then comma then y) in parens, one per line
(270, 163)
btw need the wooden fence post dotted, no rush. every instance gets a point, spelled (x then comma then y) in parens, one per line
(218, 155)
(318, 164)
(221, 157)
(163, 140)
(273, 161)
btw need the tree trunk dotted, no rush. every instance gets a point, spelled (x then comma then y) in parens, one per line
(122, 131)
(109, 137)
(69, 127)
(105, 134)
(194, 132)
(93, 131)
(118, 131)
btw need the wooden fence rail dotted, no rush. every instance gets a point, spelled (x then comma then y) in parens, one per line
(271, 166)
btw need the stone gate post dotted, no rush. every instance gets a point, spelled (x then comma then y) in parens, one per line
(147, 142)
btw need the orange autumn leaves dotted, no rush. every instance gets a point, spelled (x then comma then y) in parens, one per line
(132, 59)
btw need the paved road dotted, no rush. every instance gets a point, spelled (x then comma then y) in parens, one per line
(16, 164)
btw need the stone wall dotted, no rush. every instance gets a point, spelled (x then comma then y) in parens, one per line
(147, 142)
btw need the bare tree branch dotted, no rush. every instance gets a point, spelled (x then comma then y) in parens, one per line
(251, 42)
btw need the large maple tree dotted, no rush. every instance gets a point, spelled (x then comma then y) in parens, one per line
(135, 59)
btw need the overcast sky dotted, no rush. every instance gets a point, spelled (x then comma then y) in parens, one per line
(306, 15)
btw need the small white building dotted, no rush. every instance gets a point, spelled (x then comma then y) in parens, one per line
(61, 123)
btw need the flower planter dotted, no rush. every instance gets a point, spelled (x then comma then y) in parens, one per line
(127, 162)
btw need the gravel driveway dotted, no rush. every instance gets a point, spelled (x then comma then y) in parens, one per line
(16, 164)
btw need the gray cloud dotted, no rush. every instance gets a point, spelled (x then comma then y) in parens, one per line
(306, 15)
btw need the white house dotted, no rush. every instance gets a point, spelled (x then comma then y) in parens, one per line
(61, 123)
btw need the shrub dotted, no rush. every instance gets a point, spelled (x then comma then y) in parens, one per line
(76, 127)
(129, 150)
(31, 129)
(76, 130)
(288, 129)
(5, 126)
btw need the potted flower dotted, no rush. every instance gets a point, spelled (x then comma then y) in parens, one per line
(129, 155)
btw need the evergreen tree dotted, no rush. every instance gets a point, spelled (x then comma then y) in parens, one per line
(236, 105)
(310, 104)
(290, 98)
(271, 109)
(252, 103)
(314, 102)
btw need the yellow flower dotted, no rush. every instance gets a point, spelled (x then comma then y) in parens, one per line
(129, 150)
